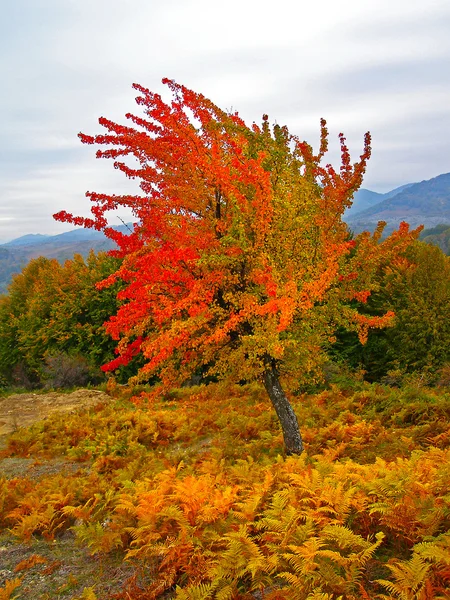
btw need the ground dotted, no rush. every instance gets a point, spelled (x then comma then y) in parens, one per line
(67, 568)
(22, 410)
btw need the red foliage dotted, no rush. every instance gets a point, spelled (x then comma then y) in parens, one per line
(239, 250)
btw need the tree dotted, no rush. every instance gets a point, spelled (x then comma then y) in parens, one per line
(417, 290)
(14, 322)
(239, 262)
(53, 309)
(421, 300)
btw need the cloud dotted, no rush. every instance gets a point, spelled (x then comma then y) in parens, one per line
(362, 65)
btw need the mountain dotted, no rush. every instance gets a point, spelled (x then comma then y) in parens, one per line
(27, 240)
(16, 254)
(364, 199)
(37, 239)
(396, 191)
(438, 236)
(425, 203)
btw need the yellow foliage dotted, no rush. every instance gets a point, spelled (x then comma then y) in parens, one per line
(7, 590)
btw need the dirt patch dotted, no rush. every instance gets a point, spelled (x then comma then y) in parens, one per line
(35, 469)
(63, 569)
(22, 410)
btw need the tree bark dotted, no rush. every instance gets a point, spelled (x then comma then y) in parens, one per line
(293, 442)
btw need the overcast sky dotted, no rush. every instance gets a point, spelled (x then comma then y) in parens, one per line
(378, 65)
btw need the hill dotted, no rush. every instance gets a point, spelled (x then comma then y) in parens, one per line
(365, 199)
(438, 236)
(425, 203)
(362, 200)
(16, 254)
(30, 239)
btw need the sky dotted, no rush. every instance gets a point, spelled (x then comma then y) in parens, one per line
(377, 65)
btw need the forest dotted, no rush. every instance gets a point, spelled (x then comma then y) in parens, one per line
(277, 415)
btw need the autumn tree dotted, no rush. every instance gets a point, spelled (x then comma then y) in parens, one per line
(239, 262)
(421, 300)
(14, 322)
(54, 309)
(418, 291)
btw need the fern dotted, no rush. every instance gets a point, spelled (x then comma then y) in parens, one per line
(88, 594)
(322, 596)
(30, 562)
(242, 557)
(411, 579)
(202, 591)
(204, 519)
(437, 551)
(7, 590)
(99, 537)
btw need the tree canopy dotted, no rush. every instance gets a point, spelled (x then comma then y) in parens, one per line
(239, 263)
(53, 309)
(418, 291)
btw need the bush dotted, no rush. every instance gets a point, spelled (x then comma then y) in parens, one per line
(24, 377)
(3, 383)
(444, 376)
(65, 371)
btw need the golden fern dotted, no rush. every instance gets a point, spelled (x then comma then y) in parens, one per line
(7, 590)
(321, 596)
(202, 591)
(88, 594)
(247, 509)
(411, 579)
(332, 560)
(37, 521)
(227, 592)
(298, 587)
(83, 512)
(30, 562)
(437, 551)
(99, 537)
(243, 556)
(281, 519)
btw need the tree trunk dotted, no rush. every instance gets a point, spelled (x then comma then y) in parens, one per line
(291, 433)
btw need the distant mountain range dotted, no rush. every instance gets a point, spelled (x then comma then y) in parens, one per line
(365, 199)
(425, 203)
(16, 254)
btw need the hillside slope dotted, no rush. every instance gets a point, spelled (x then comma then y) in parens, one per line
(425, 203)
(364, 199)
(15, 255)
(438, 236)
